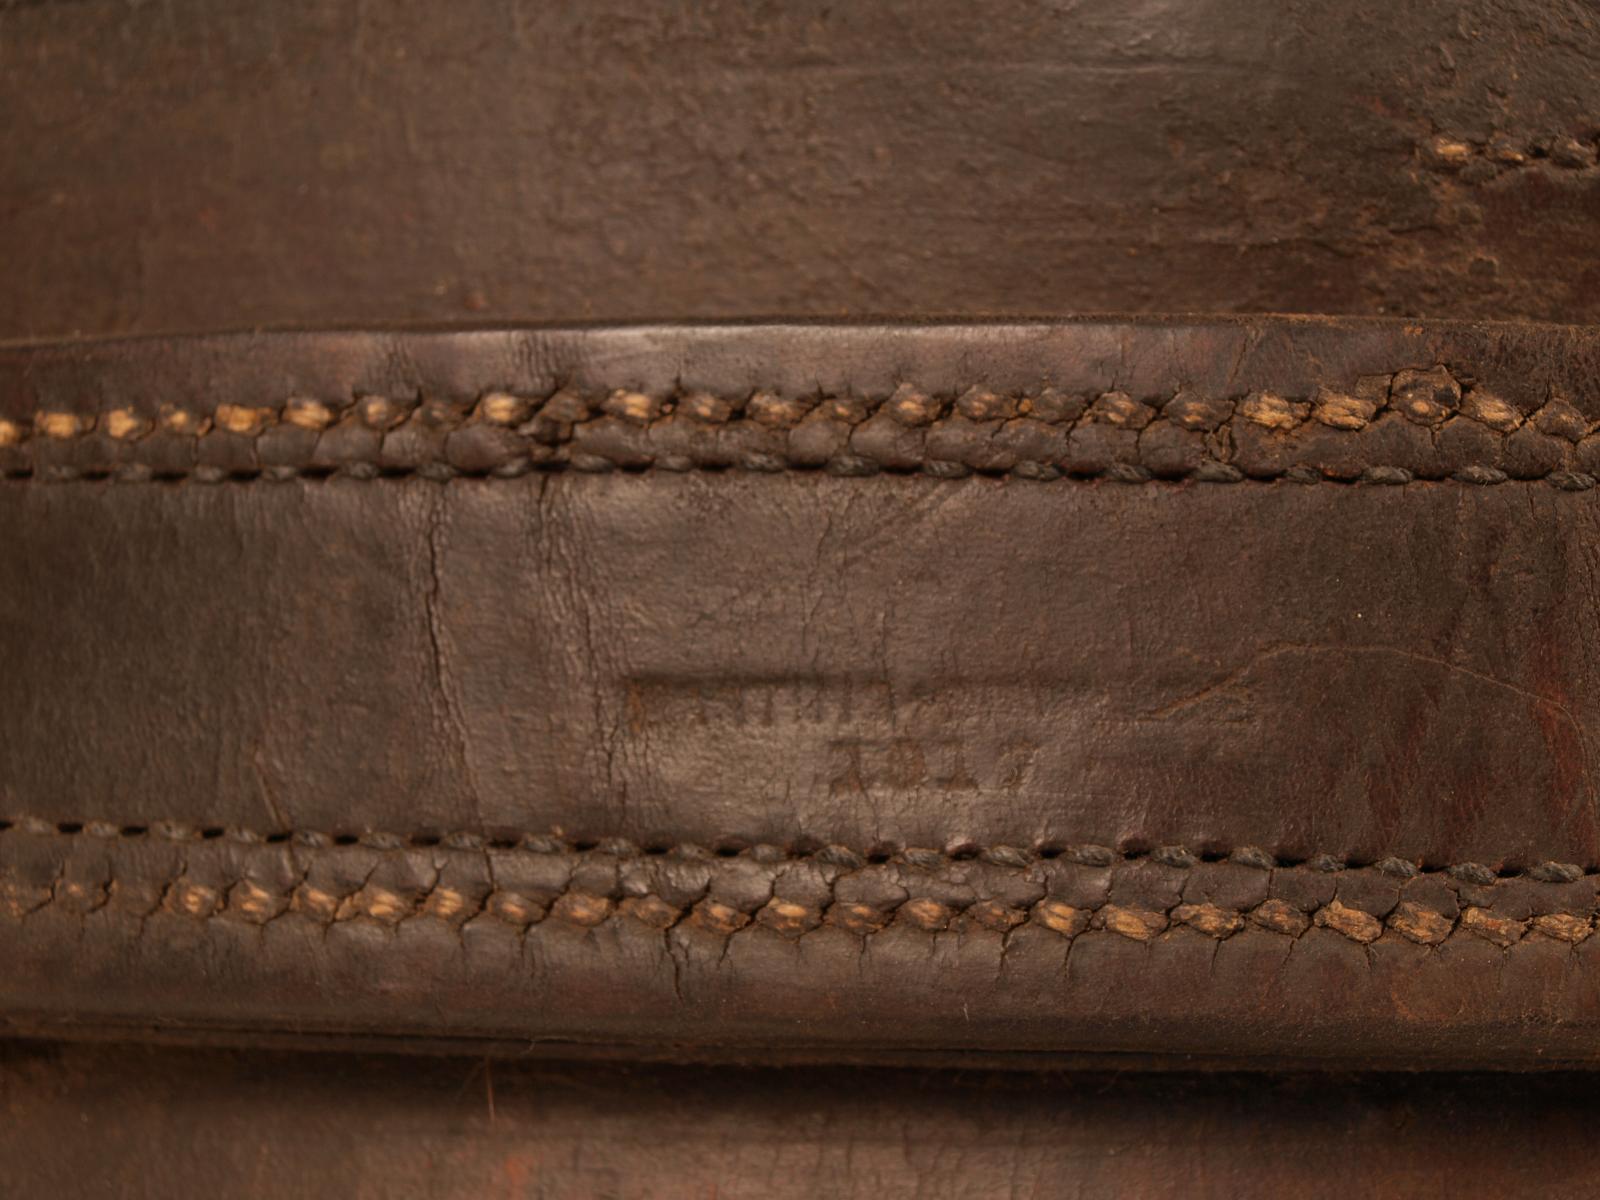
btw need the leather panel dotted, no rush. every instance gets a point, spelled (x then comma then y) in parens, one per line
(919, 662)
(1163, 688)
(132, 1123)
(326, 162)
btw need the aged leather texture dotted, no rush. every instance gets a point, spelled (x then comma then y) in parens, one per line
(640, 668)
(138, 1124)
(206, 164)
(1147, 687)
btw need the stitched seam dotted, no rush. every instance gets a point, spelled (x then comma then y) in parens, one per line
(591, 887)
(1487, 159)
(1411, 425)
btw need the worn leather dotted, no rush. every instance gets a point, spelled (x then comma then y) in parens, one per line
(1157, 687)
(217, 164)
(145, 1125)
(1117, 694)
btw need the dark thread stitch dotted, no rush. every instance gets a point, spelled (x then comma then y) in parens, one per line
(1004, 855)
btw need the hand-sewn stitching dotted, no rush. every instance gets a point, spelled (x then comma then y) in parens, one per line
(1412, 425)
(535, 880)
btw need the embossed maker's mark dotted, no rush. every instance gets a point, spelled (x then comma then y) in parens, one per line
(843, 736)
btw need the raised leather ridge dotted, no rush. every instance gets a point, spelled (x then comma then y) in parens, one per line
(1389, 428)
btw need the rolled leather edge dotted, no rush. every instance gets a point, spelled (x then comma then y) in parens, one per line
(1140, 957)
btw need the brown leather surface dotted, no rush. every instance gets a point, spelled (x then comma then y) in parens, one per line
(769, 659)
(868, 645)
(139, 1125)
(210, 164)
(1113, 694)
(677, 685)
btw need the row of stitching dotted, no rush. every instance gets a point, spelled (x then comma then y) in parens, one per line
(1004, 855)
(1141, 900)
(1414, 424)
(1480, 161)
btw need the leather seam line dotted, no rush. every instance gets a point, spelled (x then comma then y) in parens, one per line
(1411, 425)
(1566, 481)
(1482, 161)
(245, 899)
(831, 854)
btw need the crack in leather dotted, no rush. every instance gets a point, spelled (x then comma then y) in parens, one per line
(1409, 425)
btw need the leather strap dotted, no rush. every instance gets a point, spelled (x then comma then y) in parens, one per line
(1164, 688)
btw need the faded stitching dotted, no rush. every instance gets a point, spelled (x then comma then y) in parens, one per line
(1481, 161)
(237, 875)
(1412, 425)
